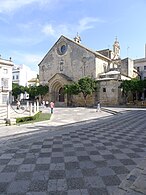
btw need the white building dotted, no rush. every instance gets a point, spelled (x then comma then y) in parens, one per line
(140, 65)
(5, 80)
(21, 74)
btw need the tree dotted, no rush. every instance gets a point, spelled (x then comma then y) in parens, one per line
(42, 90)
(34, 91)
(70, 90)
(87, 86)
(133, 86)
(17, 90)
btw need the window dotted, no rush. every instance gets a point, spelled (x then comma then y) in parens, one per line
(104, 89)
(63, 49)
(144, 67)
(138, 69)
(17, 77)
(4, 98)
(13, 77)
(61, 65)
(5, 71)
(4, 83)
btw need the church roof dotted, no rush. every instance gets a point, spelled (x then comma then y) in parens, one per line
(96, 53)
(90, 50)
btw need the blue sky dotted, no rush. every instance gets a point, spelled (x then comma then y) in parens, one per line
(29, 28)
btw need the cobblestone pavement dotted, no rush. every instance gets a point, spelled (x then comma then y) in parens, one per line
(97, 157)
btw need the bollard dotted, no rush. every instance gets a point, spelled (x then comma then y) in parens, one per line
(35, 108)
(30, 109)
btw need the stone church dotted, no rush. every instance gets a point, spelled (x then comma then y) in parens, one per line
(68, 61)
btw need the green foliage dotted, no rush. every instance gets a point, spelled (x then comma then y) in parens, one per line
(42, 90)
(17, 90)
(72, 89)
(34, 91)
(36, 118)
(133, 86)
(85, 85)
(28, 118)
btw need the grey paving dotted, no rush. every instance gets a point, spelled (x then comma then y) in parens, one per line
(101, 155)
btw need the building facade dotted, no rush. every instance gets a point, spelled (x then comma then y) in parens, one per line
(21, 74)
(68, 61)
(140, 65)
(5, 80)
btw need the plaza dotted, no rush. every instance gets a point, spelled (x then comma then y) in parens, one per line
(78, 152)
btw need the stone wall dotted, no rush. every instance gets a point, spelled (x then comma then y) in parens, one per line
(109, 92)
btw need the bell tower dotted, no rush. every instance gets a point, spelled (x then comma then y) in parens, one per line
(77, 39)
(116, 49)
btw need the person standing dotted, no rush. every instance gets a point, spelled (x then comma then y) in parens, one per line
(98, 107)
(52, 106)
(18, 104)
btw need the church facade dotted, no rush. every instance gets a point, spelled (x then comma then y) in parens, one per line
(68, 61)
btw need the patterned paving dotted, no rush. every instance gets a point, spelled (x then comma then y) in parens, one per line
(86, 159)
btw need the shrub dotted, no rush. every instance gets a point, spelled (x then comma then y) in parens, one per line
(28, 118)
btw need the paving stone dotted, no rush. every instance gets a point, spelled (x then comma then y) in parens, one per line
(7, 176)
(94, 182)
(38, 186)
(3, 187)
(26, 167)
(142, 164)
(75, 183)
(111, 180)
(78, 192)
(99, 191)
(18, 186)
(56, 174)
(140, 184)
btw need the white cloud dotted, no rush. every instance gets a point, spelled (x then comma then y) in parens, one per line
(11, 5)
(48, 30)
(88, 23)
(55, 31)
(70, 29)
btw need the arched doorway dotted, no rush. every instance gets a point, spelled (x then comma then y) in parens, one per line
(61, 95)
(57, 94)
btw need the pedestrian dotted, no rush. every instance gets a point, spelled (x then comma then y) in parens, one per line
(47, 103)
(43, 104)
(52, 106)
(18, 104)
(98, 109)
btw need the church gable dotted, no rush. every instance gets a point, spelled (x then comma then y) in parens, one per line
(69, 58)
